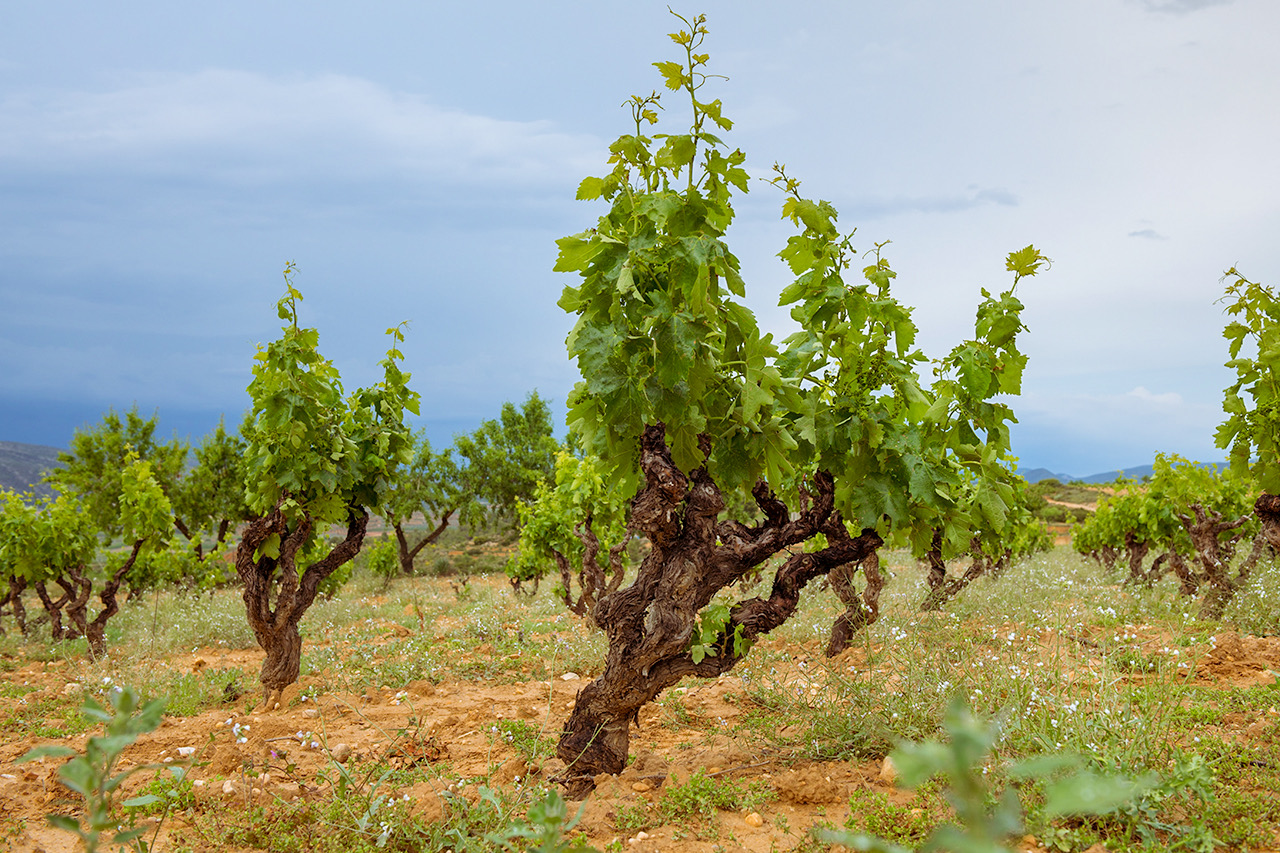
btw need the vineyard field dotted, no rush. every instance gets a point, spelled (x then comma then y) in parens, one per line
(427, 711)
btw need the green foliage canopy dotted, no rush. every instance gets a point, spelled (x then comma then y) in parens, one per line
(663, 337)
(311, 449)
(92, 468)
(1251, 431)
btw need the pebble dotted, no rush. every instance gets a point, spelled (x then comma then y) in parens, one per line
(186, 751)
(228, 787)
(341, 751)
(637, 838)
(310, 712)
(570, 676)
(641, 787)
(888, 773)
(753, 819)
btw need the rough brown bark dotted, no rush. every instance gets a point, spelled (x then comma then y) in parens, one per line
(859, 612)
(275, 597)
(1136, 549)
(13, 600)
(1206, 529)
(95, 632)
(1267, 508)
(409, 553)
(1107, 556)
(651, 623)
(943, 588)
(1188, 580)
(182, 528)
(53, 609)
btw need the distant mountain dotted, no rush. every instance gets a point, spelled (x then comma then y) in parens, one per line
(22, 466)
(1110, 476)
(1035, 475)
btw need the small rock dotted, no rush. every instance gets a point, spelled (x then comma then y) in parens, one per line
(72, 689)
(641, 787)
(341, 752)
(311, 712)
(888, 773)
(228, 787)
(753, 819)
(570, 676)
(186, 751)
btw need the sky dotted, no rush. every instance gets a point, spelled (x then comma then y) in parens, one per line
(160, 163)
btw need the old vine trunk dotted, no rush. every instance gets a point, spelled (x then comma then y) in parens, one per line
(652, 624)
(276, 597)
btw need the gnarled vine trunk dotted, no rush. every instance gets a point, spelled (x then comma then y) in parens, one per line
(652, 624)
(1212, 553)
(275, 597)
(1137, 550)
(408, 553)
(13, 600)
(1188, 580)
(859, 612)
(53, 609)
(1267, 509)
(80, 587)
(943, 588)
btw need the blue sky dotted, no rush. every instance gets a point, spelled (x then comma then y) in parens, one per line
(160, 162)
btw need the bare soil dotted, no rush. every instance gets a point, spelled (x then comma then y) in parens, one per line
(423, 725)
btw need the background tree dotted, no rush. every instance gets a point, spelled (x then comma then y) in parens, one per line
(971, 437)
(209, 498)
(44, 543)
(682, 398)
(565, 517)
(996, 544)
(56, 542)
(481, 479)
(430, 484)
(315, 458)
(15, 523)
(1212, 509)
(505, 459)
(91, 468)
(1123, 525)
(144, 522)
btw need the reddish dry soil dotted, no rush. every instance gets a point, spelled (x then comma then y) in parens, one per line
(431, 727)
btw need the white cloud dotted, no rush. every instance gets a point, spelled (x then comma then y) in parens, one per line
(253, 128)
(1169, 398)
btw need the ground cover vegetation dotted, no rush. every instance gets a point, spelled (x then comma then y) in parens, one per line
(457, 701)
(710, 476)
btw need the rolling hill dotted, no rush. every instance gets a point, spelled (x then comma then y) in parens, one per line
(22, 466)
